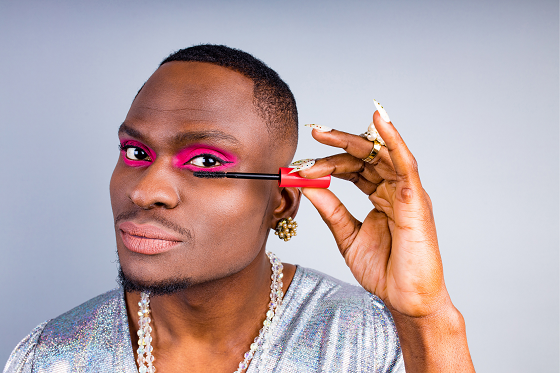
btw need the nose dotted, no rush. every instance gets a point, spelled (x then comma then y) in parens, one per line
(157, 187)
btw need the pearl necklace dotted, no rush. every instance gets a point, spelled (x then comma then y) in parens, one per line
(145, 348)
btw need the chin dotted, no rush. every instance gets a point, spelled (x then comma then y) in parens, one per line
(155, 288)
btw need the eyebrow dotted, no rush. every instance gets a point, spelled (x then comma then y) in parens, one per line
(185, 137)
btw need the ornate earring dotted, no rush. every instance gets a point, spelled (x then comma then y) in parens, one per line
(286, 229)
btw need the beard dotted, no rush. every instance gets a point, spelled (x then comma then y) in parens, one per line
(165, 287)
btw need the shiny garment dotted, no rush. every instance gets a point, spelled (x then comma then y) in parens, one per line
(325, 326)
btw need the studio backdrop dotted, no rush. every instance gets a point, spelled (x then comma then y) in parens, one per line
(472, 86)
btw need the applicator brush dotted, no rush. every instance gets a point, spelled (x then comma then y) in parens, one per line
(284, 177)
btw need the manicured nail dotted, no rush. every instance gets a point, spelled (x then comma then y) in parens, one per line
(319, 128)
(307, 163)
(300, 162)
(381, 111)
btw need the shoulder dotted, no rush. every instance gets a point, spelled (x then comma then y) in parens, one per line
(91, 333)
(21, 358)
(334, 326)
(82, 318)
(328, 295)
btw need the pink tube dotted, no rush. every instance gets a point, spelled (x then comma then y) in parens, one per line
(294, 180)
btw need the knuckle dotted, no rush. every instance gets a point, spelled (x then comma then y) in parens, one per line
(346, 241)
(355, 178)
(406, 195)
(336, 217)
(347, 227)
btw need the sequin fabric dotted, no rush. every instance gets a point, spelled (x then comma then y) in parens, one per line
(325, 326)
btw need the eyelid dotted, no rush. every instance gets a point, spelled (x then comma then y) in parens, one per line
(129, 143)
(125, 144)
(190, 153)
(219, 159)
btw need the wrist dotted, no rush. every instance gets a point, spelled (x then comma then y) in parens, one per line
(446, 319)
(436, 342)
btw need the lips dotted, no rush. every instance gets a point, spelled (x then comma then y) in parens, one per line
(146, 239)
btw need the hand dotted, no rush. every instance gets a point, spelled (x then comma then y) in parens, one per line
(394, 253)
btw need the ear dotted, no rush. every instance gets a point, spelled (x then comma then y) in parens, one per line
(288, 206)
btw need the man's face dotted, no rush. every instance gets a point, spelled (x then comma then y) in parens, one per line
(171, 226)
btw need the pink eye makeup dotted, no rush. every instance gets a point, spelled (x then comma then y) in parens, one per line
(136, 154)
(201, 156)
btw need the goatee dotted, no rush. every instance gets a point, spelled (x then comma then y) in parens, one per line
(166, 287)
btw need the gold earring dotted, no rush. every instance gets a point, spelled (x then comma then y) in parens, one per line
(286, 229)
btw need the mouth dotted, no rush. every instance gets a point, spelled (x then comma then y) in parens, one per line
(146, 239)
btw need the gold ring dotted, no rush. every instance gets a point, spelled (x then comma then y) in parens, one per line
(374, 150)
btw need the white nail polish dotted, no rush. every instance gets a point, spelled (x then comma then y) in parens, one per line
(303, 166)
(319, 128)
(300, 162)
(381, 111)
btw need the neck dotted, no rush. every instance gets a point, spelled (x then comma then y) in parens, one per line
(222, 314)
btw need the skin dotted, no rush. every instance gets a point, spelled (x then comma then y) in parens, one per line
(393, 253)
(211, 324)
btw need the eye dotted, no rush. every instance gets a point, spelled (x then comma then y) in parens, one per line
(206, 160)
(135, 153)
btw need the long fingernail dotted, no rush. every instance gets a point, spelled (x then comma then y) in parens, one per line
(381, 111)
(300, 162)
(319, 128)
(306, 163)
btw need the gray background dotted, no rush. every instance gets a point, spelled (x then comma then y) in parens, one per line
(471, 85)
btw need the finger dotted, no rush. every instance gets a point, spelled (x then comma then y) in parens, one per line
(362, 183)
(342, 224)
(382, 198)
(360, 148)
(352, 144)
(341, 164)
(383, 165)
(402, 159)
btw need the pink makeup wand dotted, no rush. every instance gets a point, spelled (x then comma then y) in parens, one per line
(284, 177)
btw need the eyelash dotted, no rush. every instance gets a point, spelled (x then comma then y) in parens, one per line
(126, 146)
(213, 156)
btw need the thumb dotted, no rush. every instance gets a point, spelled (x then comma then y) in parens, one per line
(342, 224)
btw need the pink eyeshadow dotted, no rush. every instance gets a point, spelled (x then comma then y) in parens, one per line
(195, 150)
(133, 163)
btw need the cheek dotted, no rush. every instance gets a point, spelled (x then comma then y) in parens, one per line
(113, 184)
(234, 221)
(118, 184)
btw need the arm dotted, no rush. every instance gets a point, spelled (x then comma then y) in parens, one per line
(435, 343)
(21, 359)
(394, 253)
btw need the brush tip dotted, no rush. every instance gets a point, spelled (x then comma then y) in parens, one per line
(209, 174)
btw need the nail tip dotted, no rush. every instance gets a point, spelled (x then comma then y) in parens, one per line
(300, 162)
(318, 127)
(302, 166)
(382, 111)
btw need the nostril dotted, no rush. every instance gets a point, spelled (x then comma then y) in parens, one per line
(159, 204)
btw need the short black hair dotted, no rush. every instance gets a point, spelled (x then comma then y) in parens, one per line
(272, 97)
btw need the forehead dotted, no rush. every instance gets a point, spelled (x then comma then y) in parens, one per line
(195, 96)
(196, 86)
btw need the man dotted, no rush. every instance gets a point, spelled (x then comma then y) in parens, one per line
(196, 280)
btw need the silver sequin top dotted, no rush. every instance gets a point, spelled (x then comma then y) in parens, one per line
(325, 326)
